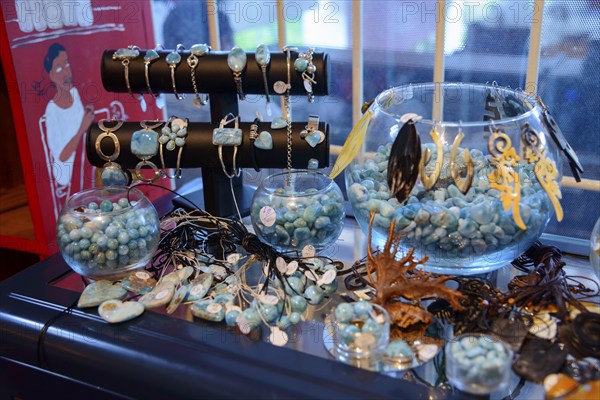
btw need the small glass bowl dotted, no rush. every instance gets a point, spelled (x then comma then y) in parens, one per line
(102, 244)
(478, 364)
(297, 208)
(362, 340)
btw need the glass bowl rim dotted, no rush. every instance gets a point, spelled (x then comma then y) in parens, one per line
(126, 189)
(461, 124)
(380, 308)
(296, 172)
(494, 338)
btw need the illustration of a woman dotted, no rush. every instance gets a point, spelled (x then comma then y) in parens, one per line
(67, 121)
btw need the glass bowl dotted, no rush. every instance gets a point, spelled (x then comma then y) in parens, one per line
(294, 209)
(107, 232)
(478, 364)
(360, 332)
(462, 224)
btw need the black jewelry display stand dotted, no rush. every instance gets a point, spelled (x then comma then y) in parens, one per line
(214, 77)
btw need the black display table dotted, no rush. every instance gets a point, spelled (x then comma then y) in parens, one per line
(156, 355)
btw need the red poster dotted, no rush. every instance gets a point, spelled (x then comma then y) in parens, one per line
(56, 46)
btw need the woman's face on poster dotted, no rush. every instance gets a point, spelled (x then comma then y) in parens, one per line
(60, 74)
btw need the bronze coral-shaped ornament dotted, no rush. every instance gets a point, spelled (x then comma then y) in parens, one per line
(395, 280)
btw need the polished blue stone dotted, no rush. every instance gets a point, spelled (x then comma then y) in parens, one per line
(314, 294)
(278, 123)
(362, 308)
(151, 55)
(314, 138)
(300, 64)
(298, 303)
(144, 143)
(123, 54)
(199, 49)
(236, 59)
(262, 55)
(113, 176)
(227, 136)
(344, 313)
(264, 141)
(173, 58)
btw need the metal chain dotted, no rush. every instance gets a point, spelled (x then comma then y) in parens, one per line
(288, 111)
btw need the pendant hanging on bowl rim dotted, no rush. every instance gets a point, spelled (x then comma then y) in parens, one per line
(403, 164)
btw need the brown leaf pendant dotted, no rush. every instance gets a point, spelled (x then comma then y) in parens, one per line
(403, 165)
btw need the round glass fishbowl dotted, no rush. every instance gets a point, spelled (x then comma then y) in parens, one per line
(487, 177)
(107, 232)
(293, 209)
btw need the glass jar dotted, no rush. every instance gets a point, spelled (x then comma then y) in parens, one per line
(360, 332)
(478, 364)
(107, 232)
(460, 214)
(294, 209)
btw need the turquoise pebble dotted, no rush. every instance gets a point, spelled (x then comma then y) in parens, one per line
(123, 202)
(362, 308)
(284, 323)
(294, 318)
(330, 288)
(372, 327)
(123, 237)
(344, 313)
(314, 294)
(293, 286)
(349, 333)
(252, 317)
(92, 205)
(268, 312)
(106, 206)
(298, 303)
(398, 348)
(113, 244)
(231, 317)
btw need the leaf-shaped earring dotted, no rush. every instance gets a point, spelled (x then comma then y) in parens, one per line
(403, 165)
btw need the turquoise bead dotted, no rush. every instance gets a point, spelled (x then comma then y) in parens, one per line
(123, 202)
(372, 327)
(123, 237)
(93, 206)
(231, 317)
(106, 206)
(144, 144)
(236, 59)
(180, 142)
(262, 55)
(278, 123)
(268, 312)
(122, 54)
(227, 136)
(199, 49)
(173, 58)
(251, 316)
(314, 294)
(284, 323)
(264, 141)
(349, 333)
(300, 64)
(151, 55)
(398, 348)
(294, 286)
(298, 303)
(330, 288)
(344, 313)
(171, 145)
(294, 318)
(362, 308)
